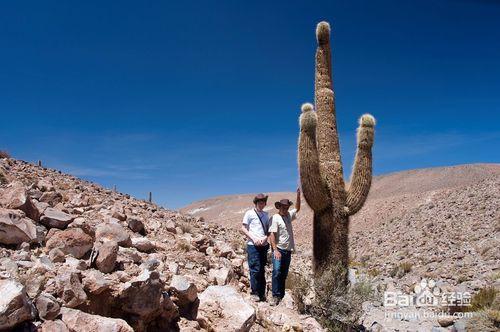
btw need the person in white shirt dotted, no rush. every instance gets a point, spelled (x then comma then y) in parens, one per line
(255, 227)
(283, 244)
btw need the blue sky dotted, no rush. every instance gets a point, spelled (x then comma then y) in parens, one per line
(196, 99)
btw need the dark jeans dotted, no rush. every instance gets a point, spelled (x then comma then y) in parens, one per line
(280, 272)
(257, 260)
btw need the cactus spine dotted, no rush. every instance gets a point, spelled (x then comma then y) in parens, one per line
(320, 166)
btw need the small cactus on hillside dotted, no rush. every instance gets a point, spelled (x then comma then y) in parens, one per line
(320, 166)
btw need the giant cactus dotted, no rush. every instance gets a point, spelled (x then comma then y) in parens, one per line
(320, 166)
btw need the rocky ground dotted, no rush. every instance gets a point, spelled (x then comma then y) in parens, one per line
(75, 256)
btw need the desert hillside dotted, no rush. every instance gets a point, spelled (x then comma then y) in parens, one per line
(445, 222)
(75, 256)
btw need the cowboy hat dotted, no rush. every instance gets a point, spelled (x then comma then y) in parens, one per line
(260, 197)
(286, 202)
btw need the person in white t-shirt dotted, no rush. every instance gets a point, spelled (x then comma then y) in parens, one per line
(283, 244)
(255, 227)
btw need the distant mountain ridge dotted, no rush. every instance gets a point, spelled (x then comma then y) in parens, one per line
(390, 196)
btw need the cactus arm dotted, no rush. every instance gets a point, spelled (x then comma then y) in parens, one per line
(314, 189)
(361, 176)
(327, 136)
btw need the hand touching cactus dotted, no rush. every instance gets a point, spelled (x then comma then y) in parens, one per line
(320, 166)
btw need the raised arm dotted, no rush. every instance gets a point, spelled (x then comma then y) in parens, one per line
(297, 206)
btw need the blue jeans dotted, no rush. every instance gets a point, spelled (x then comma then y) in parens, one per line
(280, 272)
(257, 260)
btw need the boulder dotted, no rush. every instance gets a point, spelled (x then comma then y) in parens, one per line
(70, 289)
(142, 244)
(44, 185)
(75, 264)
(9, 268)
(236, 313)
(78, 321)
(79, 200)
(16, 197)
(133, 294)
(185, 296)
(36, 279)
(446, 321)
(14, 305)
(41, 206)
(224, 249)
(47, 306)
(54, 326)
(136, 225)
(56, 255)
(51, 197)
(53, 218)
(95, 282)
(128, 255)
(220, 276)
(85, 224)
(117, 214)
(173, 267)
(113, 231)
(72, 241)
(170, 226)
(183, 288)
(15, 228)
(107, 253)
(151, 264)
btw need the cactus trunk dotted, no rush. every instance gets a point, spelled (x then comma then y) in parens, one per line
(320, 167)
(330, 242)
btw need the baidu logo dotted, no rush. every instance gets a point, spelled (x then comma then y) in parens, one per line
(426, 294)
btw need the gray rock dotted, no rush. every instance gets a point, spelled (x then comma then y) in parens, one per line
(142, 244)
(136, 225)
(145, 286)
(15, 228)
(95, 282)
(460, 325)
(14, 304)
(220, 276)
(237, 314)
(446, 321)
(56, 255)
(54, 326)
(170, 226)
(185, 296)
(70, 289)
(51, 197)
(72, 241)
(78, 321)
(107, 255)
(113, 231)
(53, 218)
(47, 306)
(16, 197)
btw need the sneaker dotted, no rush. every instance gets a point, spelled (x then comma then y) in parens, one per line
(255, 298)
(274, 301)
